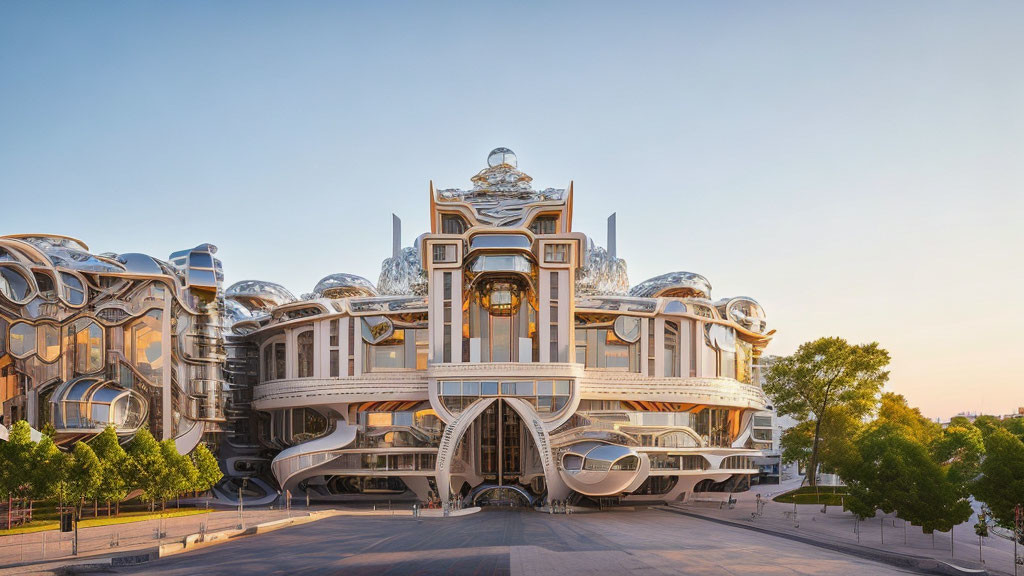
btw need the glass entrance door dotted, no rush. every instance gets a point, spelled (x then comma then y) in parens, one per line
(500, 457)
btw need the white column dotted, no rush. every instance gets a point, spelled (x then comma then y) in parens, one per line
(343, 346)
(659, 347)
(544, 317)
(698, 347)
(565, 320)
(357, 350)
(645, 349)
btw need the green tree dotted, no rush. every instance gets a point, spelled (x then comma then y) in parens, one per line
(893, 409)
(208, 471)
(824, 377)
(960, 448)
(1001, 484)
(896, 473)
(114, 466)
(1014, 426)
(50, 469)
(146, 466)
(180, 474)
(987, 424)
(83, 476)
(17, 476)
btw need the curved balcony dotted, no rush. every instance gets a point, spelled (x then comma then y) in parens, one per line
(711, 391)
(371, 387)
(510, 370)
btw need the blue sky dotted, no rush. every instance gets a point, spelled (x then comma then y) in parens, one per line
(856, 167)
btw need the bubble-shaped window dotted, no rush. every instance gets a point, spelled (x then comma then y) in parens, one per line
(74, 292)
(14, 285)
(22, 339)
(49, 342)
(89, 350)
(147, 352)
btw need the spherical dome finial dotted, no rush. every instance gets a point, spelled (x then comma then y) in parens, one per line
(500, 156)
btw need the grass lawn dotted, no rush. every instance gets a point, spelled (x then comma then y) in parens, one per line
(40, 525)
(831, 495)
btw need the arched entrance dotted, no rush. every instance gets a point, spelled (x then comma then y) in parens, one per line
(509, 496)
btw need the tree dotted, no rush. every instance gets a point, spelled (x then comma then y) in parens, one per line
(896, 473)
(146, 465)
(1001, 484)
(1014, 426)
(83, 475)
(17, 455)
(960, 448)
(50, 468)
(179, 474)
(825, 376)
(114, 466)
(207, 468)
(987, 424)
(893, 409)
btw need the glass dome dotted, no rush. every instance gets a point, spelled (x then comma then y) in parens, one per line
(500, 156)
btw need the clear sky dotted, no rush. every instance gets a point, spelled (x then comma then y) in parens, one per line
(856, 167)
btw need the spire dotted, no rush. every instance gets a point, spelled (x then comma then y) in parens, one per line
(396, 236)
(611, 235)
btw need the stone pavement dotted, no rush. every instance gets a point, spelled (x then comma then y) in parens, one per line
(517, 543)
(833, 525)
(52, 544)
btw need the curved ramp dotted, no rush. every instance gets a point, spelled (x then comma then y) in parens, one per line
(297, 459)
(270, 494)
(453, 432)
(188, 441)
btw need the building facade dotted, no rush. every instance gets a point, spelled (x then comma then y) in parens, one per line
(503, 357)
(88, 340)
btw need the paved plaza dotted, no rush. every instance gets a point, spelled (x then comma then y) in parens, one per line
(515, 542)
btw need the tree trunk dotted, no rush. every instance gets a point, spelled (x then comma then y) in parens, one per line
(812, 468)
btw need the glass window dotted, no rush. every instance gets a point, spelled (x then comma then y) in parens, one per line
(500, 241)
(335, 363)
(671, 349)
(508, 388)
(13, 284)
(545, 388)
(556, 253)
(22, 341)
(305, 354)
(279, 361)
(88, 346)
(451, 388)
(470, 388)
(443, 253)
(49, 342)
(268, 362)
(452, 224)
(544, 225)
(334, 332)
(488, 388)
(74, 292)
(562, 387)
(147, 346)
(524, 388)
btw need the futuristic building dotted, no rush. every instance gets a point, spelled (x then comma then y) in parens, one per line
(503, 356)
(125, 339)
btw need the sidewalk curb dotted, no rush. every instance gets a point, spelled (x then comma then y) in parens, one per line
(186, 544)
(918, 563)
